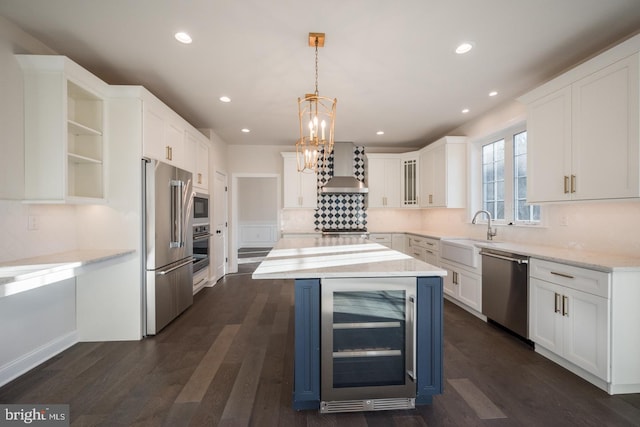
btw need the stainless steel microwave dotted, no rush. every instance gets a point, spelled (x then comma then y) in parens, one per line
(201, 208)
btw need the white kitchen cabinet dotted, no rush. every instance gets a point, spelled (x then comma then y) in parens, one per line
(381, 238)
(200, 145)
(463, 285)
(398, 242)
(569, 322)
(300, 188)
(424, 248)
(383, 181)
(583, 130)
(64, 131)
(164, 135)
(443, 176)
(410, 171)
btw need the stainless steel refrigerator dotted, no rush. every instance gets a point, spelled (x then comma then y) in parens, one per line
(168, 241)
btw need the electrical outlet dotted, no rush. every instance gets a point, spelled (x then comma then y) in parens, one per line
(564, 221)
(33, 223)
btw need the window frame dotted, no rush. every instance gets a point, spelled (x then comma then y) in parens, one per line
(476, 177)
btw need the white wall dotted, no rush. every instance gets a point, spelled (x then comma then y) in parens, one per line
(257, 200)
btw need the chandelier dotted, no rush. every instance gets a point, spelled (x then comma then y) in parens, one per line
(317, 117)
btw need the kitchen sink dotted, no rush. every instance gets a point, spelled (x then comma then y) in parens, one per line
(462, 251)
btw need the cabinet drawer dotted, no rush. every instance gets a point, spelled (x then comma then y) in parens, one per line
(581, 279)
(418, 253)
(424, 242)
(382, 238)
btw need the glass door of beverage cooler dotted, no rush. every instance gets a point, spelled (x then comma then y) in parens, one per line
(368, 336)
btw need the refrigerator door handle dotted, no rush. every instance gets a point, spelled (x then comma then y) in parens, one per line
(177, 214)
(169, 270)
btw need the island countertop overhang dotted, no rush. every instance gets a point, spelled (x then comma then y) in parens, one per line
(324, 257)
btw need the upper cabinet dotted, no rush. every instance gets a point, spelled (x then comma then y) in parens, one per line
(164, 135)
(409, 180)
(383, 180)
(583, 130)
(300, 188)
(199, 145)
(65, 131)
(443, 177)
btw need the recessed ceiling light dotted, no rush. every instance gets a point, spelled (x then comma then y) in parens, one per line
(464, 48)
(183, 37)
(225, 99)
(465, 111)
(245, 130)
(493, 93)
(380, 132)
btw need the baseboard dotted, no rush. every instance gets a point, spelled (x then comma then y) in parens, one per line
(465, 307)
(25, 363)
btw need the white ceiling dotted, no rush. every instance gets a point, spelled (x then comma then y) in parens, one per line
(391, 64)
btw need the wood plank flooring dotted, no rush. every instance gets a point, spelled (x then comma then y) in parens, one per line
(228, 361)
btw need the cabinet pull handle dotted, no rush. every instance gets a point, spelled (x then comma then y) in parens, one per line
(556, 307)
(168, 153)
(199, 178)
(565, 306)
(455, 278)
(430, 199)
(573, 183)
(566, 184)
(568, 276)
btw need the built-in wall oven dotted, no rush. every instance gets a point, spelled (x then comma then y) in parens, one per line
(201, 247)
(201, 232)
(368, 344)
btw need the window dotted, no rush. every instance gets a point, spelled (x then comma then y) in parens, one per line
(493, 178)
(504, 177)
(523, 212)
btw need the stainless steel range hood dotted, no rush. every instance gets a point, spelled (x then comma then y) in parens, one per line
(343, 181)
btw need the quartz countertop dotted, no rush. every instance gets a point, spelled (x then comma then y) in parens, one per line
(600, 261)
(29, 273)
(322, 257)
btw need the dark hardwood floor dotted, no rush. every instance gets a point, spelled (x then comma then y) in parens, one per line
(227, 361)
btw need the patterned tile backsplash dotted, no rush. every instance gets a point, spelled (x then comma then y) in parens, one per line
(341, 211)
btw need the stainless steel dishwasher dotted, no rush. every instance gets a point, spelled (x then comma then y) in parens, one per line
(505, 290)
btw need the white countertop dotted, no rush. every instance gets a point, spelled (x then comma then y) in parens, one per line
(29, 273)
(593, 260)
(601, 261)
(322, 257)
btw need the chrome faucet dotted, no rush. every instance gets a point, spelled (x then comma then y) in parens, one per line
(490, 232)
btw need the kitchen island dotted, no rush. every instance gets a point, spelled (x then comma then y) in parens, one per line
(368, 323)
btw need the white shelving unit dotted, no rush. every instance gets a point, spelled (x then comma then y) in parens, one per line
(64, 133)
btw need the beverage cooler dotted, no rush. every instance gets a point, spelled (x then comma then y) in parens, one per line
(367, 344)
(368, 349)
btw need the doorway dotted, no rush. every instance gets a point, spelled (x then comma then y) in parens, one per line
(220, 221)
(256, 217)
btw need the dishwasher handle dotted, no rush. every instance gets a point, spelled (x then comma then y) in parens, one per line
(505, 258)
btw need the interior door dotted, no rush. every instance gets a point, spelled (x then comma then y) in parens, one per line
(220, 254)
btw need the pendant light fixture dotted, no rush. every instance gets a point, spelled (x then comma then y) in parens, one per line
(317, 118)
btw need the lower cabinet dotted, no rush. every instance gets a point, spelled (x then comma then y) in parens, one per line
(463, 285)
(381, 238)
(571, 324)
(425, 249)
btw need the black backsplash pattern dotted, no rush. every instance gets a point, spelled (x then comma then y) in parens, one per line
(341, 211)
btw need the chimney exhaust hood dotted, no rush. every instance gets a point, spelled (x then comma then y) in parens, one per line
(343, 181)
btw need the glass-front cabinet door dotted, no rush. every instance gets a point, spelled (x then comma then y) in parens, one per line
(367, 339)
